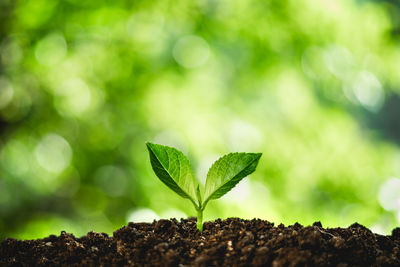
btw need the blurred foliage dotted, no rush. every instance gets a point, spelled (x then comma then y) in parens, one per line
(313, 85)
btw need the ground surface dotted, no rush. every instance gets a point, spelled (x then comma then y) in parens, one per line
(231, 242)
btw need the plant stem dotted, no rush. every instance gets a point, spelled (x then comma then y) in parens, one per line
(200, 220)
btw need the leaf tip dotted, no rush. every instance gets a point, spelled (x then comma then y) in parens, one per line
(149, 145)
(257, 158)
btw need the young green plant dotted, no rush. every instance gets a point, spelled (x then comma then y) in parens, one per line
(173, 169)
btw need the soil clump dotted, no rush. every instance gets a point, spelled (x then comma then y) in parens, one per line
(230, 242)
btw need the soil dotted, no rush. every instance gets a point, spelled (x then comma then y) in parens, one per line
(230, 242)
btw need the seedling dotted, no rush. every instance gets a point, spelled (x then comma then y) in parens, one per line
(173, 169)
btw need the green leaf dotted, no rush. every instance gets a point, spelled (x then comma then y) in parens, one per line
(227, 171)
(173, 169)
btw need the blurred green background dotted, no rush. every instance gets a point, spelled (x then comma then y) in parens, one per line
(313, 85)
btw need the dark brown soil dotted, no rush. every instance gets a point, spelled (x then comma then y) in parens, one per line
(231, 242)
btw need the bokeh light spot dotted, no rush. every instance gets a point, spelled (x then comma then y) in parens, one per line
(73, 97)
(191, 51)
(389, 194)
(338, 60)
(368, 90)
(53, 153)
(51, 49)
(6, 92)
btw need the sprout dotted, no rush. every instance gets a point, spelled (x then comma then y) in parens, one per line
(173, 169)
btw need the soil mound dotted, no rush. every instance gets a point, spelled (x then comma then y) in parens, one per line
(230, 242)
